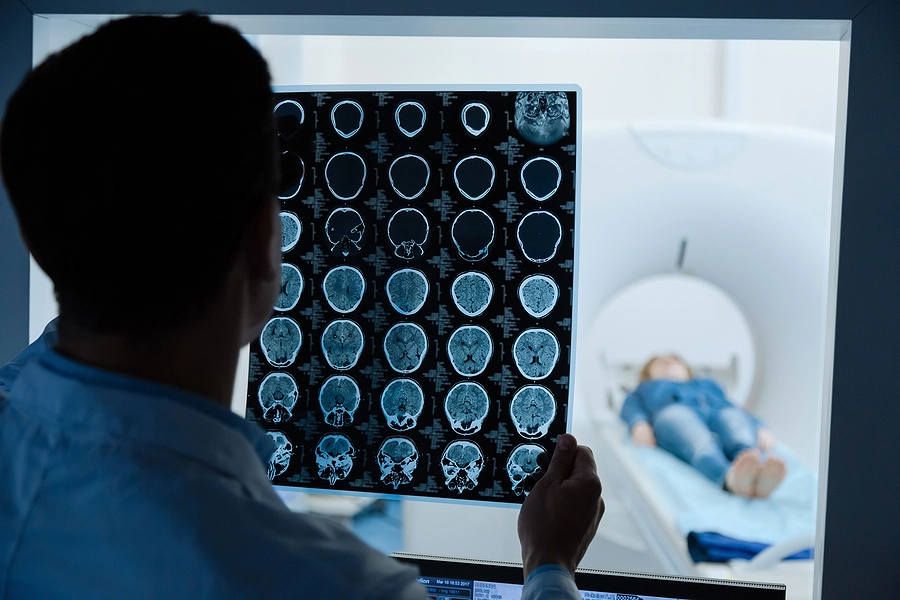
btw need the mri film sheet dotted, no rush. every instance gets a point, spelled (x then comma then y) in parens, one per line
(421, 341)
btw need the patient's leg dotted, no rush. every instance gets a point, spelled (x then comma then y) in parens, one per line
(771, 473)
(736, 431)
(743, 475)
(681, 431)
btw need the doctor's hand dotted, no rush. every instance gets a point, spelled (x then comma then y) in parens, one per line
(642, 434)
(560, 516)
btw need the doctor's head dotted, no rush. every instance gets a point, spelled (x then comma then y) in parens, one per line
(666, 366)
(140, 162)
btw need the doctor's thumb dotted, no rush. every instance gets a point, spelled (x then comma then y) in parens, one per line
(563, 460)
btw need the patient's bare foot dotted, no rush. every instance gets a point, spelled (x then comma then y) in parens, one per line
(771, 473)
(742, 476)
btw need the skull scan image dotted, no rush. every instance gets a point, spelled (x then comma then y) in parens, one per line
(402, 402)
(344, 287)
(397, 459)
(291, 175)
(410, 118)
(535, 353)
(541, 177)
(345, 230)
(475, 117)
(345, 175)
(462, 463)
(289, 116)
(291, 228)
(538, 295)
(347, 118)
(473, 234)
(408, 232)
(472, 292)
(405, 345)
(533, 409)
(542, 118)
(291, 287)
(342, 344)
(466, 407)
(334, 457)
(281, 458)
(280, 341)
(339, 398)
(539, 234)
(522, 467)
(407, 290)
(474, 177)
(277, 396)
(470, 349)
(409, 175)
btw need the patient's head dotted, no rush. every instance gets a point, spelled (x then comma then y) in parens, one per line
(666, 366)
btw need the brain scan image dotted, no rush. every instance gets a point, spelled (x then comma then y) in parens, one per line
(291, 228)
(523, 466)
(466, 407)
(462, 463)
(281, 458)
(344, 287)
(475, 117)
(347, 118)
(277, 396)
(409, 175)
(472, 292)
(289, 116)
(345, 175)
(397, 460)
(542, 118)
(407, 290)
(474, 177)
(538, 295)
(342, 344)
(291, 175)
(280, 341)
(539, 235)
(410, 118)
(473, 234)
(339, 398)
(535, 353)
(291, 287)
(408, 233)
(334, 457)
(345, 231)
(541, 177)
(402, 402)
(404, 347)
(532, 409)
(469, 349)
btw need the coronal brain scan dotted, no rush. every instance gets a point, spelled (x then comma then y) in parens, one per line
(404, 347)
(344, 287)
(535, 353)
(538, 295)
(533, 410)
(473, 234)
(402, 402)
(277, 396)
(342, 344)
(469, 349)
(339, 398)
(407, 290)
(466, 406)
(280, 341)
(408, 231)
(539, 235)
(472, 292)
(397, 458)
(420, 344)
(542, 118)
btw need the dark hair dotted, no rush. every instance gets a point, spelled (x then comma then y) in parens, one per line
(135, 160)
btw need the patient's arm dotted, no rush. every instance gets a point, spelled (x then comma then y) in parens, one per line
(642, 434)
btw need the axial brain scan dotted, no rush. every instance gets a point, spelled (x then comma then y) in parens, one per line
(347, 118)
(542, 118)
(466, 407)
(291, 174)
(404, 347)
(281, 458)
(289, 117)
(409, 176)
(539, 234)
(280, 341)
(291, 228)
(541, 177)
(532, 409)
(342, 344)
(462, 463)
(538, 295)
(407, 290)
(408, 233)
(291, 287)
(474, 177)
(472, 292)
(402, 402)
(345, 175)
(345, 230)
(410, 118)
(397, 459)
(473, 234)
(344, 287)
(470, 348)
(277, 396)
(339, 398)
(535, 353)
(334, 457)
(522, 467)
(475, 118)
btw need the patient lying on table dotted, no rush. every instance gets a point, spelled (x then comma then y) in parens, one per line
(692, 419)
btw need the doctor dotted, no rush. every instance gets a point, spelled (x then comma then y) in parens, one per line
(141, 165)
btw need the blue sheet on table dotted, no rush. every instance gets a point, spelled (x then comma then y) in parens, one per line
(707, 546)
